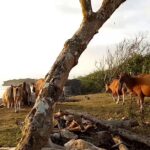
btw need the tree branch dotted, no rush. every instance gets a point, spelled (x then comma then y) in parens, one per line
(108, 7)
(86, 8)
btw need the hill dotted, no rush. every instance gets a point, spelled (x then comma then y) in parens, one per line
(18, 81)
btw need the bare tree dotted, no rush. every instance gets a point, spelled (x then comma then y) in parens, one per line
(112, 64)
(38, 123)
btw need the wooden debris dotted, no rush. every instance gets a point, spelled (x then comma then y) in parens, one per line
(116, 128)
(120, 143)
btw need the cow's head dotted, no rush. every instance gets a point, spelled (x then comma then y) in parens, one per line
(107, 89)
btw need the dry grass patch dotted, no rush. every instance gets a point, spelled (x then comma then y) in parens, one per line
(9, 131)
(103, 107)
(100, 106)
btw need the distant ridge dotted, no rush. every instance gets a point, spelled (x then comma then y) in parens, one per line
(18, 81)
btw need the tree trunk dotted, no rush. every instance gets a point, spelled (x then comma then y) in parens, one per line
(38, 123)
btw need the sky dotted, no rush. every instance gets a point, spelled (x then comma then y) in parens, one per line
(33, 32)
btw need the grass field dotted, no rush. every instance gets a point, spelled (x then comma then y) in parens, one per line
(100, 106)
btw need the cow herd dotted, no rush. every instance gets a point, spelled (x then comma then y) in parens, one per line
(135, 85)
(17, 96)
(25, 94)
(22, 95)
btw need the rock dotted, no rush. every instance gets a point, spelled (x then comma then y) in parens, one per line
(48, 148)
(63, 136)
(80, 144)
(57, 139)
(7, 148)
(103, 139)
(67, 134)
(56, 135)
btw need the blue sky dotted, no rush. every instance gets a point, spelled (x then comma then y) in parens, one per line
(33, 32)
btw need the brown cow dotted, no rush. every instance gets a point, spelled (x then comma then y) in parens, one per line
(113, 88)
(37, 86)
(8, 99)
(140, 85)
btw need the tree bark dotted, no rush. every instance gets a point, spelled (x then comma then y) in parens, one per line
(38, 123)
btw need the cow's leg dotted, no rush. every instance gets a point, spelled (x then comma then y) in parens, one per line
(18, 106)
(131, 97)
(123, 96)
(28, 101)
(11, 105)
(113, 97)
(19, 103)
(118, 99)
(8, 104)
(15, 106)
(141, 104)
(138, 101)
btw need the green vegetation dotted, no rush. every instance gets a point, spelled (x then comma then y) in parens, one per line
(95, 82)
(130, 56)
(100, 106)
(9, 131)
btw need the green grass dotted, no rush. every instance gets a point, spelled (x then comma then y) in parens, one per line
(100, 106)
(9, 131)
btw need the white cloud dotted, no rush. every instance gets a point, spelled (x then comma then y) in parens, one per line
(32, 34)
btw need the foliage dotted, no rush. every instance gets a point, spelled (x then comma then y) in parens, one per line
(92, 83)
(131, 56)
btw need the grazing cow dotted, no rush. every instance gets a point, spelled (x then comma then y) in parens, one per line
(140, 85)
(17, 94)
(113, 88)
(8, 99)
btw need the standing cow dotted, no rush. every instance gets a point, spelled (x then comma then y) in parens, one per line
(140, 85)
(8, 99)
(113, 88)
(37, 86)
(17, 94)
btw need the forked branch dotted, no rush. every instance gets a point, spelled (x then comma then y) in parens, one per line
(86, 8)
